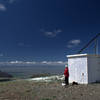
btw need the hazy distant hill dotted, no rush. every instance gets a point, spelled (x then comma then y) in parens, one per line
(4, 74)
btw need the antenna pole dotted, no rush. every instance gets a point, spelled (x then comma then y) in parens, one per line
(93, 39)
(96, 46)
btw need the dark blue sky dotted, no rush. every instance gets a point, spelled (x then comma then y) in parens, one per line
(46, 29)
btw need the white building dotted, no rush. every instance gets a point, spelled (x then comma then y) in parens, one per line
(84, 68)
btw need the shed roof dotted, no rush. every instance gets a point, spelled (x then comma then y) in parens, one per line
(82, 55)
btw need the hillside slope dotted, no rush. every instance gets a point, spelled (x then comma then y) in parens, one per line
(29, 90)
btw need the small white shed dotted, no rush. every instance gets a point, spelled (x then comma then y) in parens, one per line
(84, 68)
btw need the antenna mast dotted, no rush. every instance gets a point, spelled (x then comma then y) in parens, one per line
(96, 44)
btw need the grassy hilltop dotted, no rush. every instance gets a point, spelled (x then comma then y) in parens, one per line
(29, 90)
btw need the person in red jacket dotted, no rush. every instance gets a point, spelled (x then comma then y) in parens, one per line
(66, 74)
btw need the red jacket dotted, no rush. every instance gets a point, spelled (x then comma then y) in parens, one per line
(66, 72)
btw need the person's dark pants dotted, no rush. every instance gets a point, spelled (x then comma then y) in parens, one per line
(66, 81)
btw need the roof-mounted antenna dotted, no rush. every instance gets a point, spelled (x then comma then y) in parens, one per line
(96, 44)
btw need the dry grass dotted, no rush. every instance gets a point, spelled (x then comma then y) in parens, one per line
(29, 90)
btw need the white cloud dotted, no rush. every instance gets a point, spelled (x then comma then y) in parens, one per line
(53, 33)
(44, 62)
(22, 62)
(73, 43)
(28, 62)
(53, 62)
(15, 62)
(2, 7)
(60, 62)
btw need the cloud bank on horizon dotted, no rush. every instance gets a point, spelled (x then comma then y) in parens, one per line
(33, 63)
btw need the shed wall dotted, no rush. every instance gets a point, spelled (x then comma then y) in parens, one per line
(93, 69)
(78, 70)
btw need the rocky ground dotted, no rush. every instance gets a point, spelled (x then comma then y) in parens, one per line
(30, 90)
